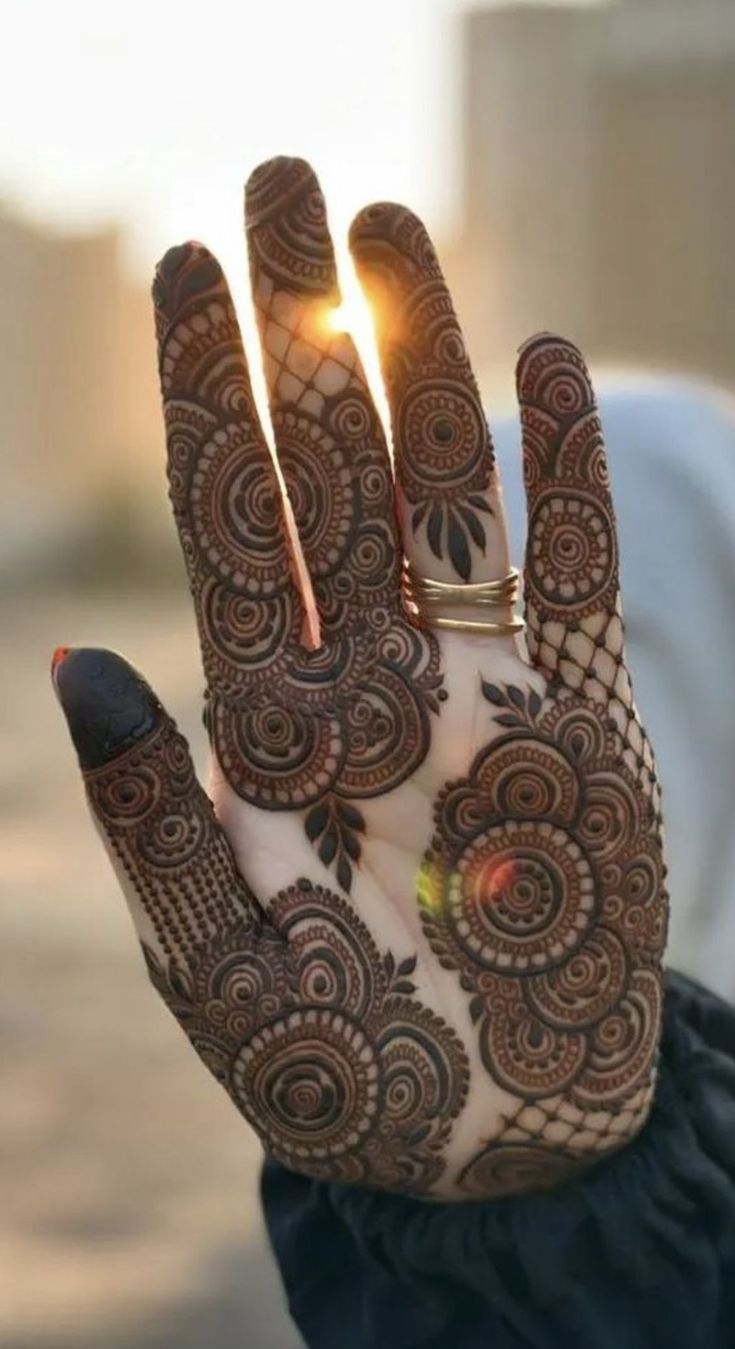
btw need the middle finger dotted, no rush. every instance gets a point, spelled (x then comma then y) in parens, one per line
(328, 436)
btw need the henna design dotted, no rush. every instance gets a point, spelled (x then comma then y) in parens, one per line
(444, 453)
(544, 888)
(573, 614)
(316, 1035)
(329, 439)
(292, 729)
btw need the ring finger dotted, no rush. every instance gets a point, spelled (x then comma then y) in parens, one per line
(449, 499)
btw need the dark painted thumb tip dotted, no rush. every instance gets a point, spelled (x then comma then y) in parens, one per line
(107, 704)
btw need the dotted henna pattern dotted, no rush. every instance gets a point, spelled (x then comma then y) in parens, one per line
(544, 887)
(444, 454)
(293, 729)
(316, 1035)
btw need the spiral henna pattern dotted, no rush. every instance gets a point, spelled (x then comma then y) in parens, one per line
(544, 888)
(292, 729)
(444, 459)
(573, 616)
(315, 1034)
(165, 839)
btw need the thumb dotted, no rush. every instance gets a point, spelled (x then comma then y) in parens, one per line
(169, 852)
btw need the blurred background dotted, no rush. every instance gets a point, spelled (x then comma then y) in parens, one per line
(575, 163)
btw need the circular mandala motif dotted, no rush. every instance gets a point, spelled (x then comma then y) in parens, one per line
(126, 797)
(277, 756)
(572, 558)
(310, 1075)
(521, 897)
(443, 439)
(245, 640)
(587, 986)
(386, 733)
(528, 1056)
(236, 514)
(529, 779)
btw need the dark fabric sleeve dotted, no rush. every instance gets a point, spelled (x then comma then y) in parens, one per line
(638, 1254)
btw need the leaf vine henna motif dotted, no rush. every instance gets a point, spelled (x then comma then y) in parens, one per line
(544, 888)
(293, 729)
(315, 1034)
(444, 454)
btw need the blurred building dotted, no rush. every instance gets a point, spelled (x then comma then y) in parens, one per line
(598, 151)
(79, 420)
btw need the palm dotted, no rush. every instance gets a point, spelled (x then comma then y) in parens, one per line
(442, 973)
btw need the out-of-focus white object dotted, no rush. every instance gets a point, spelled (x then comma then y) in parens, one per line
(671, 452)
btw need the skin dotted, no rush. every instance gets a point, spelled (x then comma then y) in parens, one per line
(417, 934)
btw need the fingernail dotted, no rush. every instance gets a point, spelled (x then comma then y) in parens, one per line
(185, 272)
(59, 655)
(107, 704)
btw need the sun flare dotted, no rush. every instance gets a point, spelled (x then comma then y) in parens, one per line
(353, 316)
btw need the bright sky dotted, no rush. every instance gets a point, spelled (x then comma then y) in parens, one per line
(154, 112)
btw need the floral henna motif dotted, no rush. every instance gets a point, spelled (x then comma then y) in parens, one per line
(544, 888)
(322, 1046)
(315, 1034)
(292, 729)
(444, 460)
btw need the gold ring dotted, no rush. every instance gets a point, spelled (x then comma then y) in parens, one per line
(427, 592)
(424, 595)
(478, 625)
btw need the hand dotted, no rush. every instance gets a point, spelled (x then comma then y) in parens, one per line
(419, 937)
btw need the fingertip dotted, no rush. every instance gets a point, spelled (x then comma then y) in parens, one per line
(374, 221)
(388, 224)
(546, 348)
(184, 271)
(60, 654)
(543, 336)
(276, 181)
(108, 705)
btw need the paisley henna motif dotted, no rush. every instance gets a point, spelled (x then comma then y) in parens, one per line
(316, 1035)
(292, 729)
(544, 888)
